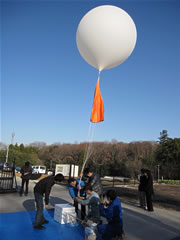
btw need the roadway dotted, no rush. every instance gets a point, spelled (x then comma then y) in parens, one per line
(161, 224)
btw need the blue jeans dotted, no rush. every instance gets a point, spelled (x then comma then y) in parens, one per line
(39, 220)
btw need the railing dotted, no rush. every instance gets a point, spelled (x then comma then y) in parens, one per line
(7, 180)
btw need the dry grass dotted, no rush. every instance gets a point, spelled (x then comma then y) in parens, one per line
(165, 195)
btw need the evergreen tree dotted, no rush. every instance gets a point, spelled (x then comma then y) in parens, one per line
(163, 137)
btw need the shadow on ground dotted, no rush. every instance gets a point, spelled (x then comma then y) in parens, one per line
(29, 204)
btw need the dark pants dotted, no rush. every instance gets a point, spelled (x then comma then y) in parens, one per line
(83, 210)
(39, 207)
(142, 199)
(26, 182)
(109, 231)
(149, 201)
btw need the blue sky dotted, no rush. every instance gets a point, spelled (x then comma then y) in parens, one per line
(47, 88)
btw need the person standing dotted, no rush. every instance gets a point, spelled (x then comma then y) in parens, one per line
(149, 190)
(26, 171)
(43, 187)
(94, 180)
(75, 186)
(142, 188)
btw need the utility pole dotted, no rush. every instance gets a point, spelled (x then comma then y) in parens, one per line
(12, 139)
(51, 165)
(158, 171)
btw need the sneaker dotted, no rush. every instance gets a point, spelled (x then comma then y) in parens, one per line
(40, 227)
(45, 222)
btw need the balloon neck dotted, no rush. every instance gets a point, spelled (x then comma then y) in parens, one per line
(99, 74)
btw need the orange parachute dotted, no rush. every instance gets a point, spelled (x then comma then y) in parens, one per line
(97, 114)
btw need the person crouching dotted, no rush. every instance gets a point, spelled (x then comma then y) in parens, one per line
(92, 201)
(112, 211)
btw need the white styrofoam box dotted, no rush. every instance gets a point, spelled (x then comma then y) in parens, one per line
(60, 208)
(64, 213)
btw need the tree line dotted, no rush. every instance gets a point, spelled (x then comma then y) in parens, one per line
(107, 158)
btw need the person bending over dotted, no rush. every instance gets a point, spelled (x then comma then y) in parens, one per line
(43, 187)
(74, 188)
(94, 180)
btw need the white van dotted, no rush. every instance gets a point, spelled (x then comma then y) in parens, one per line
(65, 169)
(39, 169)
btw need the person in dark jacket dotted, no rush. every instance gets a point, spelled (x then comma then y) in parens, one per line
(141, 188)
(112, 211)
(75, 186)
(94, 180)
(26, 172)
(92, 201)
(149, 190)
(43, 187)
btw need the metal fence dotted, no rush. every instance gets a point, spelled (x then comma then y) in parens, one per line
(7, 180)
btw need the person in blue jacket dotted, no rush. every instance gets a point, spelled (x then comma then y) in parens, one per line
(112, 211)
(74, 188)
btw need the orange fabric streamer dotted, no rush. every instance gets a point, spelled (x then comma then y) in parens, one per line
(97, 114)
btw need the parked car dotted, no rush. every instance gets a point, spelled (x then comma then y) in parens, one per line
(8, 166)
(1, 166)
(50, 171)
(39, 169)
(17, 169)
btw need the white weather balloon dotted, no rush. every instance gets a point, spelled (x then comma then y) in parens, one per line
(106, 36)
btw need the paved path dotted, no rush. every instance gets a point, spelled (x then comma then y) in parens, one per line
(138, 224)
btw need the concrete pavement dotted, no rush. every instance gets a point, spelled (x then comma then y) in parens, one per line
(161, 224)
